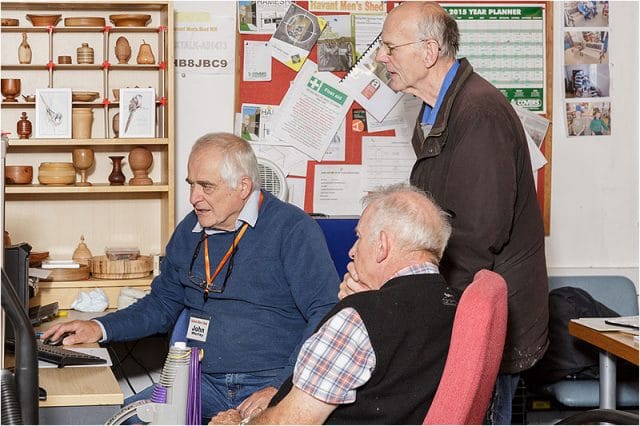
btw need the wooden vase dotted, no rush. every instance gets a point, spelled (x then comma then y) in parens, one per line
(123, 50)
(115, 125)
(84, 54)
(116, 177)
(24, 51)
(81, 123)
(140, 160)
(24, 127)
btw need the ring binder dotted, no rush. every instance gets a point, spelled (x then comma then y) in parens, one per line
(368, 83)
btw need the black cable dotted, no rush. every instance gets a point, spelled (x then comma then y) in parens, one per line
(137, 361)
(118, 365)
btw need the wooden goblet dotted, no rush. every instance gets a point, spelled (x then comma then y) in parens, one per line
(82, 161)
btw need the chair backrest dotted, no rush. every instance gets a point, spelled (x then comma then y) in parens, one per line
(613, 291)
(475, 353)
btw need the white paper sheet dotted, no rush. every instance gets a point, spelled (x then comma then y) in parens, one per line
(337, 148)
(401, 119)
(366, 29)
(386, 160)
(297, 190)
(257, 61)
(311, 111)
(337, 189)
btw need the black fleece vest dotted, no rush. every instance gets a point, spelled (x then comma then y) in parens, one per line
(409, 321)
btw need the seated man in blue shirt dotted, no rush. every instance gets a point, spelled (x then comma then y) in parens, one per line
(255, 270)
(378, 356)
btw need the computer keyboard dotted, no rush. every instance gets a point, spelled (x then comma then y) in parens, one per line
(62, 357)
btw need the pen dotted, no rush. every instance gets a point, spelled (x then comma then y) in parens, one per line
(621, 324)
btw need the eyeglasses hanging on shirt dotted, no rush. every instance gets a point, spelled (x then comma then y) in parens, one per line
(207, 284)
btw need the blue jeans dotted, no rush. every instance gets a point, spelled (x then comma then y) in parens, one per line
(220, 392)
(499, 412)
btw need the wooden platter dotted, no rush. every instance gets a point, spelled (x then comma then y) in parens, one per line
(64, 274)
(84, 21)
(9, 22)
(103, 268)
(79, 96)
(130, 20)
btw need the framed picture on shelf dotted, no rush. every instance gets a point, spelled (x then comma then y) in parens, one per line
(137, 113)
(53, 113)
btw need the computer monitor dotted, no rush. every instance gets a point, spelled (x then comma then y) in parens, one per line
(340, 233)
(16, 266)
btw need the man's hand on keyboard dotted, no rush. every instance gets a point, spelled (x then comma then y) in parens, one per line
(83, 332)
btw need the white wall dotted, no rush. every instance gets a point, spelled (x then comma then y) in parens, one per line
(204, 101)
(594, 184)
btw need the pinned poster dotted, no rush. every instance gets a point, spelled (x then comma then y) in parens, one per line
(311, 112)
(367, 82)
(296, 34)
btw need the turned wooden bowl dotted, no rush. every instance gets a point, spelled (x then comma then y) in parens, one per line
(18, 175)
(130, 20)
(84, 21)
(9, 22)
(10, 88)
(44, 20)
(56, 173)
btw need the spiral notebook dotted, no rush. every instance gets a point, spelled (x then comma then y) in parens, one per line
(367, 82)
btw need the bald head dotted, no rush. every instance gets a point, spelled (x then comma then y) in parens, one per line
(416, 222)
(427, 20)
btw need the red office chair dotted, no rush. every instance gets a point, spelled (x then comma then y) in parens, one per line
(472, 365)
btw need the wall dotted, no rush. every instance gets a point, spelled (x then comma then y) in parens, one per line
(204, 101)
(594, 195)
(594, 186)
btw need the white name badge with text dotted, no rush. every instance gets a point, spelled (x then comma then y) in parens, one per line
(198, 328)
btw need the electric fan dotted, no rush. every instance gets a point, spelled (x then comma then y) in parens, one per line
(273, 179)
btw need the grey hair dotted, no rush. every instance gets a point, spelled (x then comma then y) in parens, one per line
(435, 23)
(238, 158)
(416, 226)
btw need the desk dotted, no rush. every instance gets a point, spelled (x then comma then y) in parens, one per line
(78, 395)
(611, 344)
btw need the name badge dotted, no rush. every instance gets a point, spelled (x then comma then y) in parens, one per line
(198, 328)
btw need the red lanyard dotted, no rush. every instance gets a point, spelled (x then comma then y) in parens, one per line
(227, 255)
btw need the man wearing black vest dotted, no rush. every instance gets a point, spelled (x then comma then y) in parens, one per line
(378, 355)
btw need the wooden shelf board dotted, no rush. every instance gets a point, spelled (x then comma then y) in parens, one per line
(113, 6)
(72, 189)
(136, 282)
(69, 143)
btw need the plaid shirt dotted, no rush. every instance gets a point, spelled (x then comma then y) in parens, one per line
(339, 358)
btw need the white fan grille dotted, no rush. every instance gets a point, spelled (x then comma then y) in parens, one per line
(272, 179)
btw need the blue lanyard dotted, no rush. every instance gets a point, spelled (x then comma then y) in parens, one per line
(430, 113)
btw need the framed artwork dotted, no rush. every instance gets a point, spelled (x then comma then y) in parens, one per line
(53, 113)
(137, 113)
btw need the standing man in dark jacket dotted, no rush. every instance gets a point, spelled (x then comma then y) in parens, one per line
(472, 156)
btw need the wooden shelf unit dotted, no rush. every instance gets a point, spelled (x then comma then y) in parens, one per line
(52, 218)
